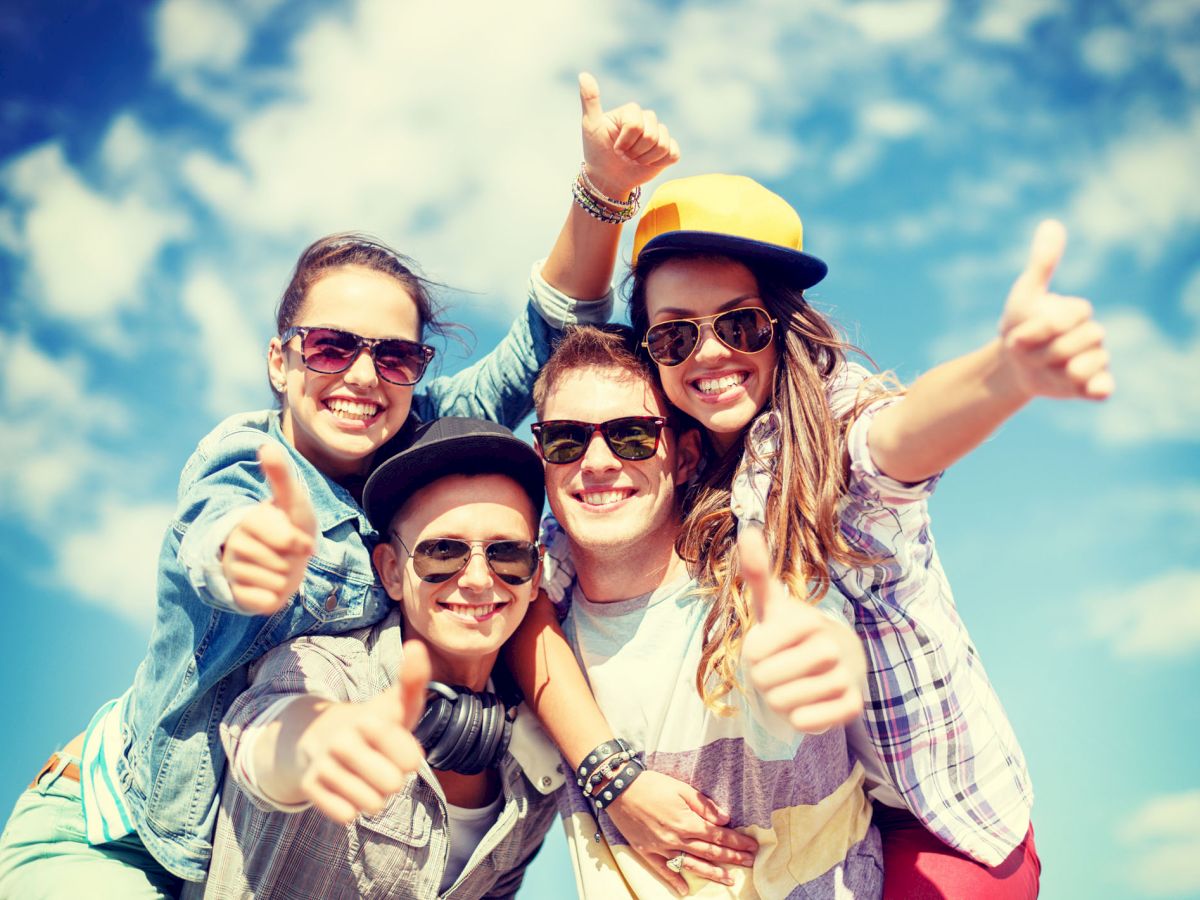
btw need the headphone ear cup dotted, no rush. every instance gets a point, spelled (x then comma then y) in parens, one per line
(489, 731)
(446, 727)
(465, 719)
(435, 717)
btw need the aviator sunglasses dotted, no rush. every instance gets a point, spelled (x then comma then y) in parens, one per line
(565, 440)
(748, 329)
(439, 559)
(331, 350)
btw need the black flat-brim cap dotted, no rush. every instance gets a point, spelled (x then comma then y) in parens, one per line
(452, 445)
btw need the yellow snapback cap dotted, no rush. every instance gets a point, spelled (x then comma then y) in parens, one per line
(728, 214)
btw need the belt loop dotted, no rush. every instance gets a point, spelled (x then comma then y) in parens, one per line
(55, 766)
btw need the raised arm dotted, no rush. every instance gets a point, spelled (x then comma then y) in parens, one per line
(622, 150)
(1048, 346)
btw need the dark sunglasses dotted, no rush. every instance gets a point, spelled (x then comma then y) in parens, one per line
(439, 559)
(746, 330)
(331, 350)
(565, 440)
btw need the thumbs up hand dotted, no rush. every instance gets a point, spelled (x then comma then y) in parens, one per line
(624, 147)
(808, 668)
(265, 555)
(1052, 344)
(352, 757)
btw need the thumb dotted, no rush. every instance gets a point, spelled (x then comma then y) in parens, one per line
(1049, 241)
(756, 570)
(286, 494)
(413, 682)
(589, 97)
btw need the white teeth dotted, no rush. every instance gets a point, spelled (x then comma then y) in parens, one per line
(603, 498)
(716, 385)
(473, 612)
(352, 409)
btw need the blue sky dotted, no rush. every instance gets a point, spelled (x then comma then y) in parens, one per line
(162, 164)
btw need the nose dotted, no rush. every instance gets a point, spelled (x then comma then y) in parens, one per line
(597, 457)
(476, 576)
(362, 370)
(709, 348)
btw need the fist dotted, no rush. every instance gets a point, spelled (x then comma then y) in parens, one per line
(803, 667)
(265, 556)
(1053, 346)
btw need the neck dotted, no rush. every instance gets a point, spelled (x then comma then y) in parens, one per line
(606, 576)
(471, 673)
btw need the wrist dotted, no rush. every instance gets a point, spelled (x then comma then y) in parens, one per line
(610, 185)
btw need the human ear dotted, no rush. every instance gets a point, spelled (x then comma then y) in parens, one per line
(276, 371)
(390, 569)
(688, 454)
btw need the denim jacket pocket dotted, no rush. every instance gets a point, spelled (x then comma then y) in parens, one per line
(340, 597)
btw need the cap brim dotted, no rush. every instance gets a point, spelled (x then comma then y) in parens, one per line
(802, 270)
(399, 478)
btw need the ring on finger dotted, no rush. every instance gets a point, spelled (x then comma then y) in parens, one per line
(675, 863)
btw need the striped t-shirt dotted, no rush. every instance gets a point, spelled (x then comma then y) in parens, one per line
(800, 796)
(106, 816)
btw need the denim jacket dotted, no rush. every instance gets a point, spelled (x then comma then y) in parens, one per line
(201, 645)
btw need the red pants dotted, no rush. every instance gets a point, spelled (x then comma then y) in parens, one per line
(918, 866)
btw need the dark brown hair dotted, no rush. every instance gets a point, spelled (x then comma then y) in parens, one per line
(349, 248)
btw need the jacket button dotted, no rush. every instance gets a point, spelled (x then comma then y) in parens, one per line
(331, 601)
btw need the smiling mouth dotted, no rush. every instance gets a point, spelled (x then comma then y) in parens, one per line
(353, 410)
(719, 385)
(474, 611)
(604, 497)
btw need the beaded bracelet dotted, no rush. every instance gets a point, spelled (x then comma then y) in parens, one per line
(596, 210)
(619, 784)
(598, 756)
(596, 194)
(599, 205)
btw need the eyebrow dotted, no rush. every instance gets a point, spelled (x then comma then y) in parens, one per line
(675, 312)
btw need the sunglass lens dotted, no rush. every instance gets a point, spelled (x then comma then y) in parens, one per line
(514, 562)
(747, 330)
(670, 343)
(329, 350)
(563, 442)
(437, 560)
(401, 362)
(633, 438)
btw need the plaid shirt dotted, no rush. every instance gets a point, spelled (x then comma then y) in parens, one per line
(401, 852)
(934, 726)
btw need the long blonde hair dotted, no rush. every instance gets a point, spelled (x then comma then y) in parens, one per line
(808, 477)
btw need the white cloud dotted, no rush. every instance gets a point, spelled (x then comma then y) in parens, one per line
(231, 355)
(1008, 21)
(1143, 193)
(47, 462)
(894, 119)
(113, 563)
(1166, 843)
(1159, 618)
(1108, 51)
(126, 146)
(198, 34)
(87, 252)
(898, 21)
(1153, 370)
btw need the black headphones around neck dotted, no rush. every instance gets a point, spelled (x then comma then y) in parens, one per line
(462, 730)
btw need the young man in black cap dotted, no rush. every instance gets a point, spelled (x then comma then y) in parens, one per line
(328, 792)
